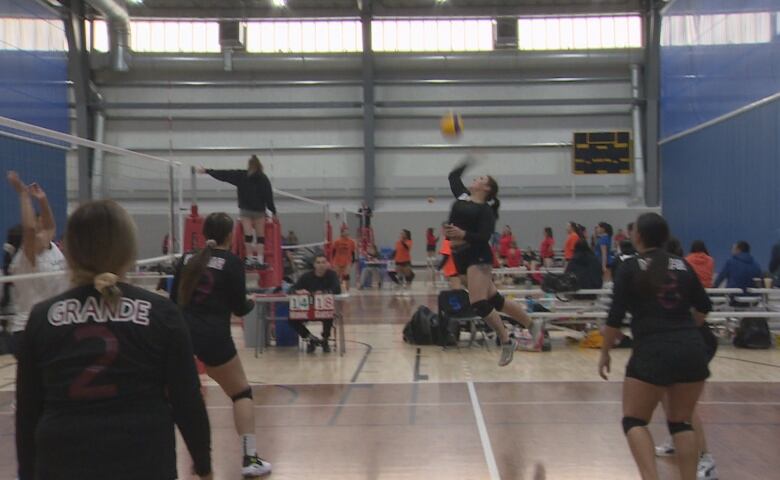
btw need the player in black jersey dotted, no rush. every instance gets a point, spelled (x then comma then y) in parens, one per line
(472, 221)
(255, 196)
(210, 286)
(106, 369)
(667, 303)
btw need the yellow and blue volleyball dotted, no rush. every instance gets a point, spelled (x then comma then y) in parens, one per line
(451, 125)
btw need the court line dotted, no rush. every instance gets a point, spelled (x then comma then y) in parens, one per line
(342, 406)
(490, 458)
(749, 361)
(463, 404)
(417, 374)
(362, 363)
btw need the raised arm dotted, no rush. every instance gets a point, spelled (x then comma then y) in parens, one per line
(230, 176)
(456, 183)
(30, 243)
(48, 224)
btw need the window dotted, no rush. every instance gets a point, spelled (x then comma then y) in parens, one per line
(432, 35)
(723, 29)
(32, 34)
(579, 33)
(174, 36)
(162, 36)
(304, 36)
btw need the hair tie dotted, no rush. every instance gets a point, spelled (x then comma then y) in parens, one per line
(105, 280)
(9, 249)
(211, 243)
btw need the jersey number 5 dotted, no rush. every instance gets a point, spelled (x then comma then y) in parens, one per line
(81, 389)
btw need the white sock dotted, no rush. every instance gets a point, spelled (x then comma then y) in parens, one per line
(248, 443)
(259, 258)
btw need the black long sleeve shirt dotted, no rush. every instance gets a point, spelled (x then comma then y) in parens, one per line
(476, 219)
(99, 389)
(669, 310)
(328, 283)
(219, 293)
(254, 191)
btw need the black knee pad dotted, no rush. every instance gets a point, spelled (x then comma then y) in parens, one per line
(261, 240)
(679, 427)
(631, 422)
(483, 308)
(249, 238)
(497, 301)
(241, 395)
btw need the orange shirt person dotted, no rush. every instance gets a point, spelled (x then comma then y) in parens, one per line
(344, 255)
(447, 267)
(571, 241)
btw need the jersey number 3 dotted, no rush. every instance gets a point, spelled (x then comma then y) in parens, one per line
(81, 389)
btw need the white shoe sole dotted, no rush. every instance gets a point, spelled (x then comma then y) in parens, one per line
(255, 472)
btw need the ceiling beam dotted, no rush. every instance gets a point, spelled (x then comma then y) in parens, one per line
(627, 6)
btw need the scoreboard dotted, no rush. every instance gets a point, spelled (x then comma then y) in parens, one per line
(602, 153)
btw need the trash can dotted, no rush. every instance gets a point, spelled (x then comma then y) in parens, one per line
(285, 335)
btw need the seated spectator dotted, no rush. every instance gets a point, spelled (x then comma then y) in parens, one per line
(702, 263)
(586, 267)
(292, 238)
(741, 268)
(514, 257)
(319, 280)
(674, 247)
(506, 240)
(371, 269)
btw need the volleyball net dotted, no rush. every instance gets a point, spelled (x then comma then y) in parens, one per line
(158, 192)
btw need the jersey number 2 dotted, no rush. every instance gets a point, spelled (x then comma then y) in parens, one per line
(81, 389)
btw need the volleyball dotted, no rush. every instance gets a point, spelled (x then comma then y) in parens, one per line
(451, 125)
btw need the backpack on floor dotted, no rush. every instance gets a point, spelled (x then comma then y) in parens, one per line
(560, 283)
(753, 333)
(423, 328)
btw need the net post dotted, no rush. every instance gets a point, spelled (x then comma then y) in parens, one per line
(171, 207)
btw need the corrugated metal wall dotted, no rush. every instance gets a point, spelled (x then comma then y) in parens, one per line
(716, 56)
(33, 89)
(720, 184)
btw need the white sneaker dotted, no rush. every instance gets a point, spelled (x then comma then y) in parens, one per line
(255, 467)
(706, 469)
(665, 449)
(507, 353)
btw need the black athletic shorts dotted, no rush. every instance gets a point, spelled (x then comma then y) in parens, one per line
(710, 341)
(403, 264)
(430, 248)
(667, 358)
(212, 344)
(468, 255)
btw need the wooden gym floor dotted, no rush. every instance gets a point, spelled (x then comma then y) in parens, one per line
(388, 410)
